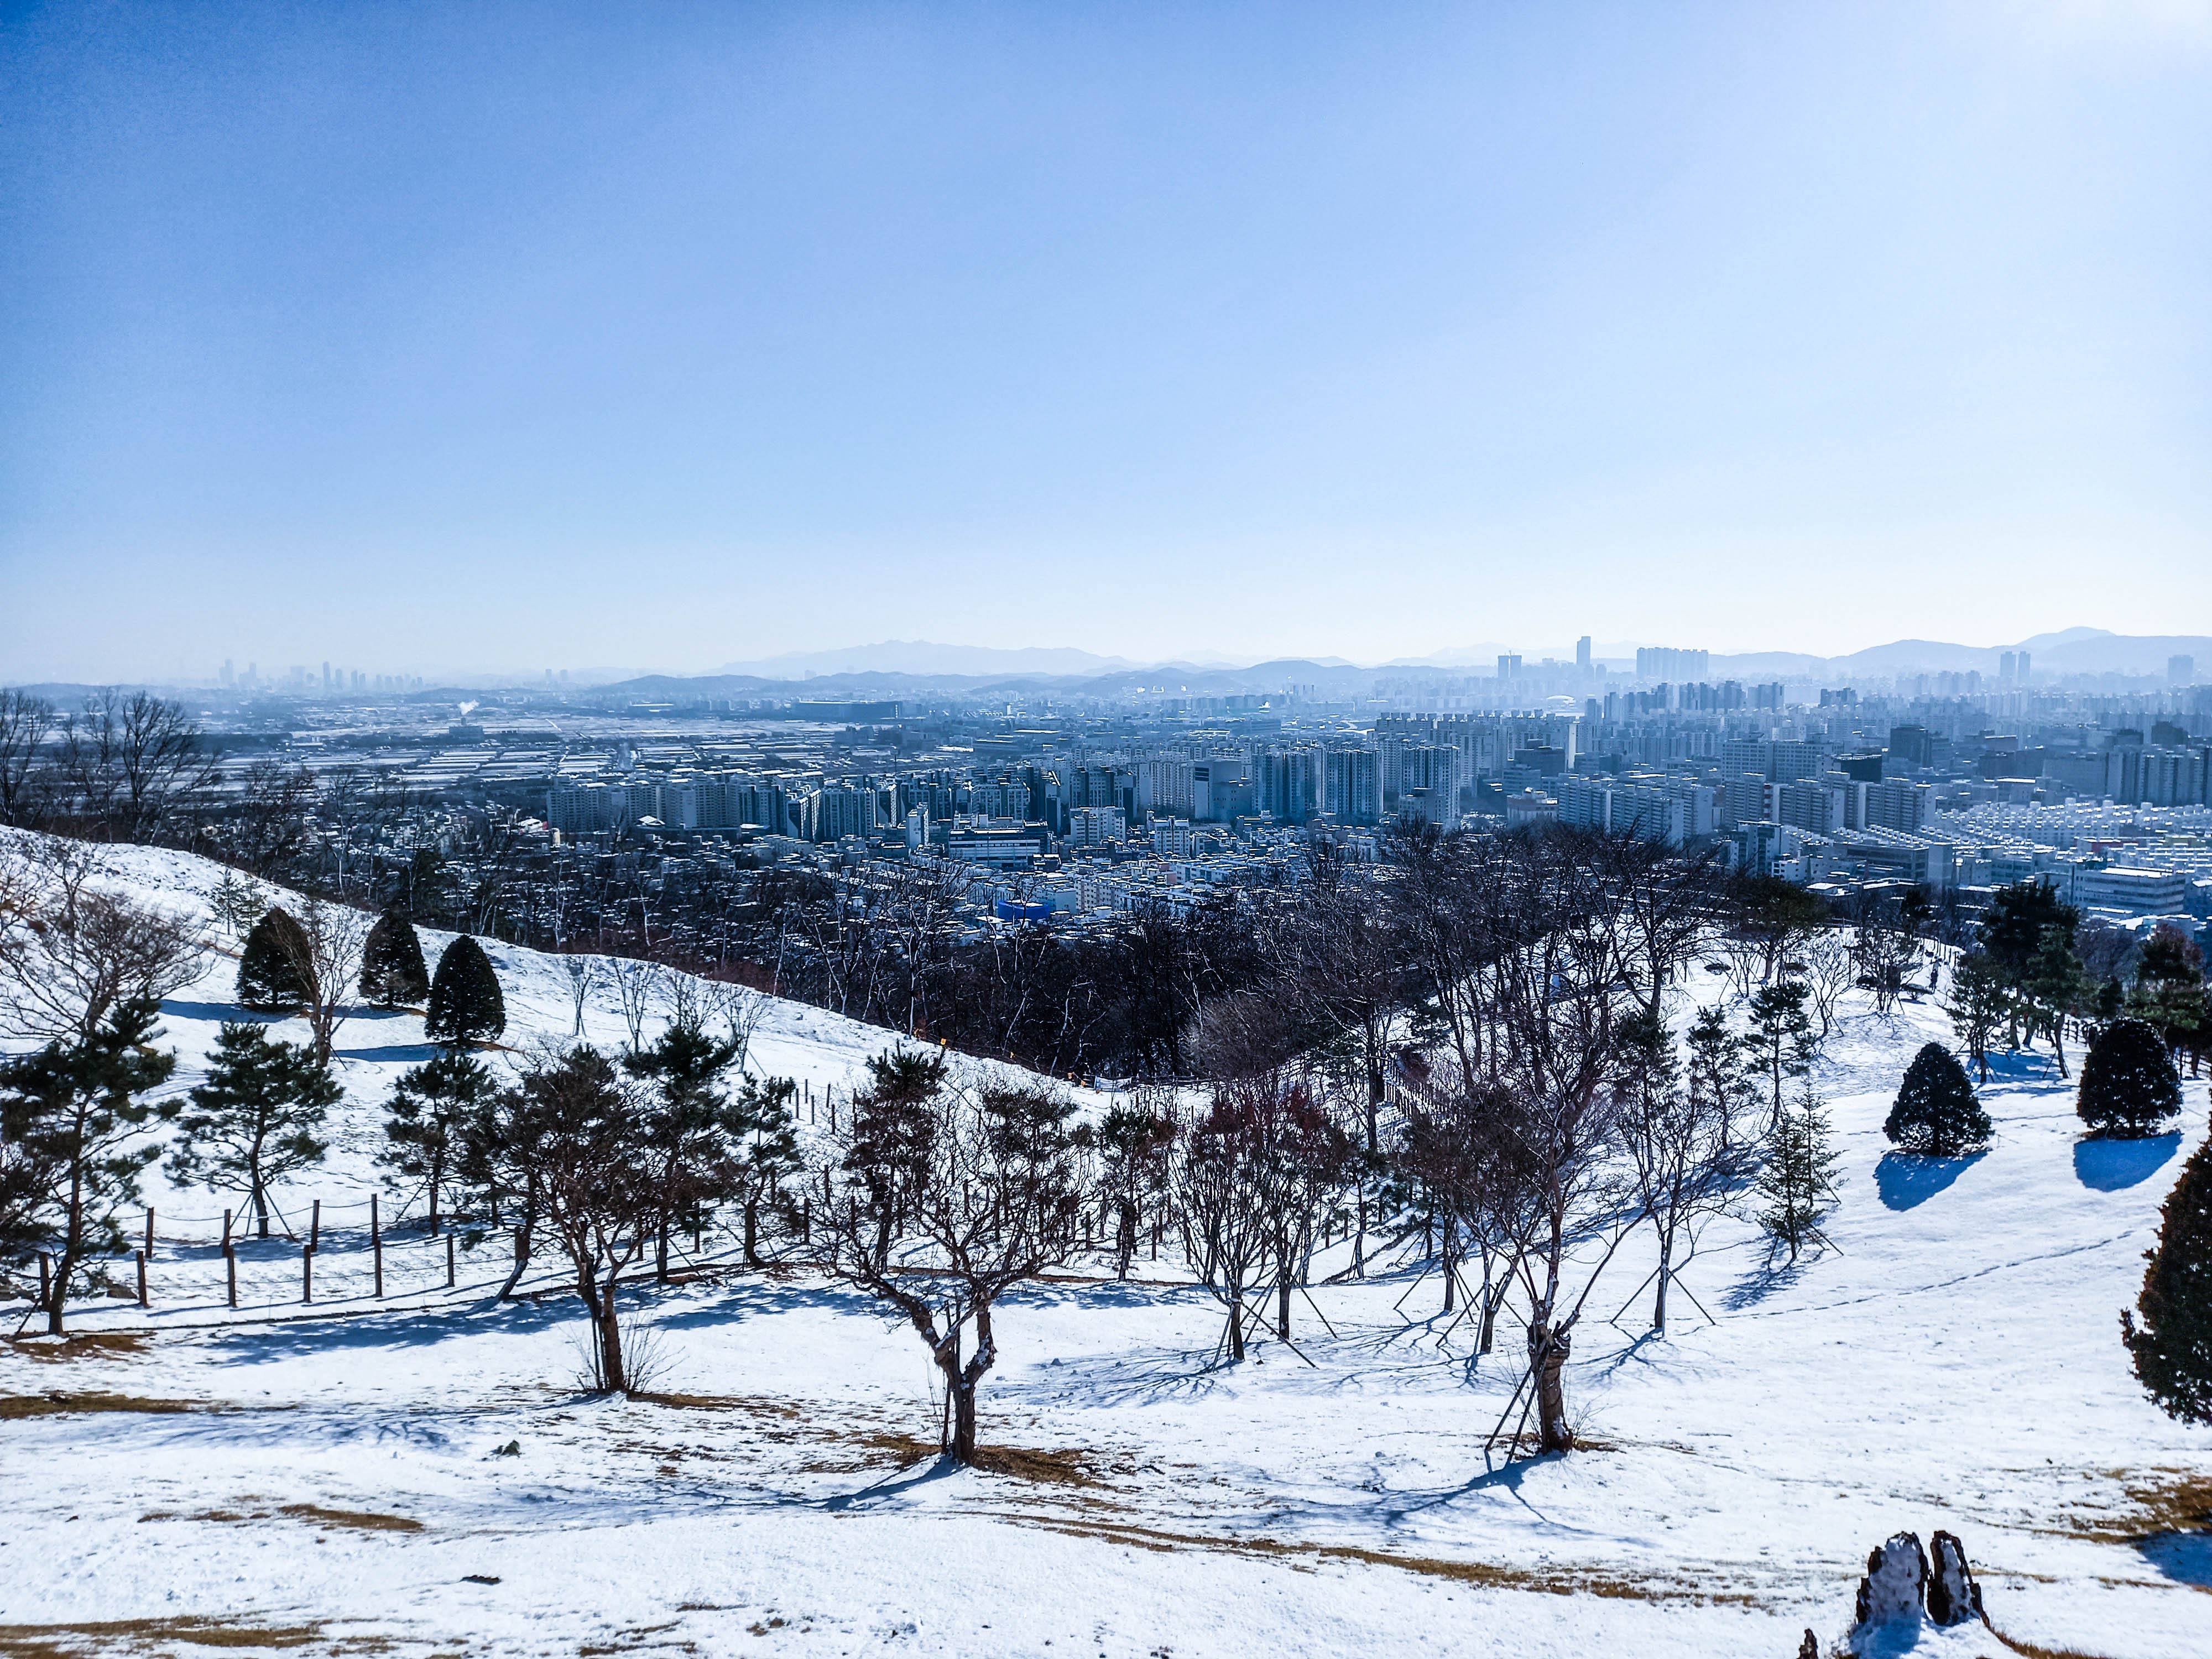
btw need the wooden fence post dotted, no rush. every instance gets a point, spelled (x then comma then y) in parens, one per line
(315, 1227)
(149, 1232)
(230, 1268)
(307, 1274)
(141, 1275)
(449, 1261)
(376, 1243)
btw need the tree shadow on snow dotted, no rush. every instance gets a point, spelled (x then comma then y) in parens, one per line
(2110, 1165)
(2184, 1556)
(1776, 1272)
(400, 1328)
(1907, 1179)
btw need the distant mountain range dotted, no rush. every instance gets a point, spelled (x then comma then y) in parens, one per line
(882, 669)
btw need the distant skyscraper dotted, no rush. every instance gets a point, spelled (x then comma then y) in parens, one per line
(2181, 671)
(2008, 667)
(2023, 668)
(1583, 655)
(1509, 668)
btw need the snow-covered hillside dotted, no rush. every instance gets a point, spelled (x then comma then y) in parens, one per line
(338, 1483)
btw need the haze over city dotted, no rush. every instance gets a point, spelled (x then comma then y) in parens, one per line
(1165, 831)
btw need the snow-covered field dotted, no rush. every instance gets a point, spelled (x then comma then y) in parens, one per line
(336, 1483)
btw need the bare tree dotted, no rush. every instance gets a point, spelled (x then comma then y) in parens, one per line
(1831, 967)
(70, 952)
(266, 829)
(133, 761)
(24, 722)
(637, 985)
(1222, 1187)
(325, 953)
(1685, 1144)
(581, 976)
(1884, 948)
(947, 1197)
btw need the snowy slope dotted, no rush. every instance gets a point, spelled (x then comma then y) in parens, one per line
(1953, 1364)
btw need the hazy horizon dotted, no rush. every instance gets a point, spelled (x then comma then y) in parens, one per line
(552, 338)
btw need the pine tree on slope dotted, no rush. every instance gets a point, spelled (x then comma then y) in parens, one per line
(2128, 1085)
(2173, 1347)
(268, 968)
(465, 1004)
(428, 1117)
(392, 966)
(1936, 1113)
(255, 1119)
(1799, 1180)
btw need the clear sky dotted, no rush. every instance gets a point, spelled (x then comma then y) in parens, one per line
(514, 336)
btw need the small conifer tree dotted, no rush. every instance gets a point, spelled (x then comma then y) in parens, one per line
(1799, 1180)
(1936, 1113)
(392, 966)
(257, 1118)
(273, 969)
(2129, 1084)
(465, 1004)
(431, 1107)
(2173, 1347)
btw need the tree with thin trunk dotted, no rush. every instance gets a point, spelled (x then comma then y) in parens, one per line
(1685, 1145)
(1978, 1006)
(1781, 1039)
(427, 1120)
(1221, 1187)
(572, 1136)
(74, 1109)
(1134, 1142)
(1799, 1179)
(761, 1129)
(325, 951)
(71, 950)
(25, 720)
(258, 1119)
(943, 1197)
(686, 1124)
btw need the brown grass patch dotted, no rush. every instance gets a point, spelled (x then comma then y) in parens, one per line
(57, 1404)
(315, 1514)
(2034, 1650)
(88, 1345)
(1055, 1468)
(2160, 1500)
(85, 1641)
(1486, 1575)
(722, 1402)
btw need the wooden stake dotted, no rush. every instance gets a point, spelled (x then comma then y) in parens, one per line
(449, 1261)
(149, 1232)
(230, 1266)
(376, 1243)
(315, 1227)
(307, 1274)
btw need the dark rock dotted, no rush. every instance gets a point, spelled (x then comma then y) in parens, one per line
(1896, 1580)
(1953, 1597)
(1809, 1647)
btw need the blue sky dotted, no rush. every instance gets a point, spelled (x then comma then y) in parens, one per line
(497, 336)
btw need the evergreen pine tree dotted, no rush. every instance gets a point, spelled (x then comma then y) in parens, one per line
(392, 966)
(2128, 1085)
(255, 1119)
(1799, 1182)
(2169, 988)
(2173, 1347)
(465, 1004)
(1936, 1112)
(1978, 1001)
(1781, 1038)
(273, 969)
(427, 1116)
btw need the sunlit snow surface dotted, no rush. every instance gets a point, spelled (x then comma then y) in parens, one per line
(1954, 1362)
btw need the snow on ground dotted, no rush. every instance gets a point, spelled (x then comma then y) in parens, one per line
(1954, 1362)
